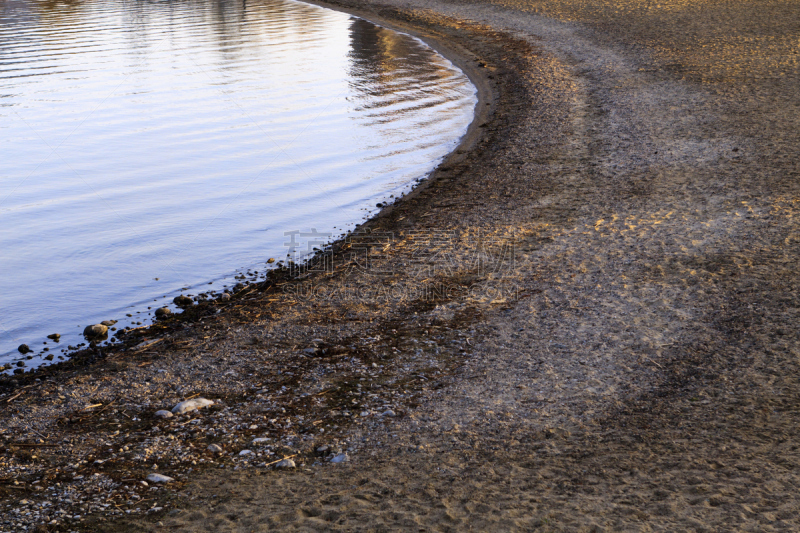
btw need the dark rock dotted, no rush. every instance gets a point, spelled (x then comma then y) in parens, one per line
(24, 348)
(163, 312)
(20, 363)
(182, 301)
(55, 336)
(108, 323)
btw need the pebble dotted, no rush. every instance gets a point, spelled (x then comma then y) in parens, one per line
(246, 452)
(108, 323)
(163, 312)
(389, 412)
(159, 478)
(24, 348)
(224, 296)
(341, 458)
(163, 414)
(55, 336)
(214, 448)
(260, 440)
(96, 330)
(191, 405)
(182, 301)
(286, 463)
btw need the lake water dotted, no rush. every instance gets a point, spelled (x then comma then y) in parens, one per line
(152, 147)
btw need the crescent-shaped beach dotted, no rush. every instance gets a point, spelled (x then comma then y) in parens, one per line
(584, 320)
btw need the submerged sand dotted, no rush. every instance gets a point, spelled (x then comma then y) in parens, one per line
(586, 320)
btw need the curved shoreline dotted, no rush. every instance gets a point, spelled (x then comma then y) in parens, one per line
(483, 108)
(638, 370)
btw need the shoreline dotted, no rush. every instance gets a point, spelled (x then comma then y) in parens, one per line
(483, 108)
(631, 362)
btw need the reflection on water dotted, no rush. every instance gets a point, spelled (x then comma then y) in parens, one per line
(179, 141)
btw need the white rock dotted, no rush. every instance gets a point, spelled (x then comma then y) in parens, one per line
(144, 483)
(246, 452)
(163, 414)
(389, 412)
(215, 448)
(158, 478)
(341, 458)
(191, 405)
(260, 440)
(286, 463)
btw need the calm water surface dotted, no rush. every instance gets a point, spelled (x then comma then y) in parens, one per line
(150, 147)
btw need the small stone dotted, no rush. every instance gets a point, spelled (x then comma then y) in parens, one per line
(260, 440)
(145, 483)
(108, 323)
(182, 301)
(389, 412)
(341, 458)
(270, 260)
(159, 478)
(95, 331)
(163, 312)
(20, 363)
(54, 336)
(214, 448)
(286, 463)
(246, 452)
(163, 414)
(24, 348)
(48, 357)
(191, 405)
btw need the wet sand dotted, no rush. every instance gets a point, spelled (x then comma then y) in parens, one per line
(585, 321)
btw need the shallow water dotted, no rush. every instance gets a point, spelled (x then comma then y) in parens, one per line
(149, 147)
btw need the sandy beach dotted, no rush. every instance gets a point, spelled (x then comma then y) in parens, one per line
(585, 320)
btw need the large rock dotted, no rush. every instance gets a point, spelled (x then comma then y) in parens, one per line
(163, 312)
(95, 331)
(24, 348)
(191, 405)
(182, 301)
